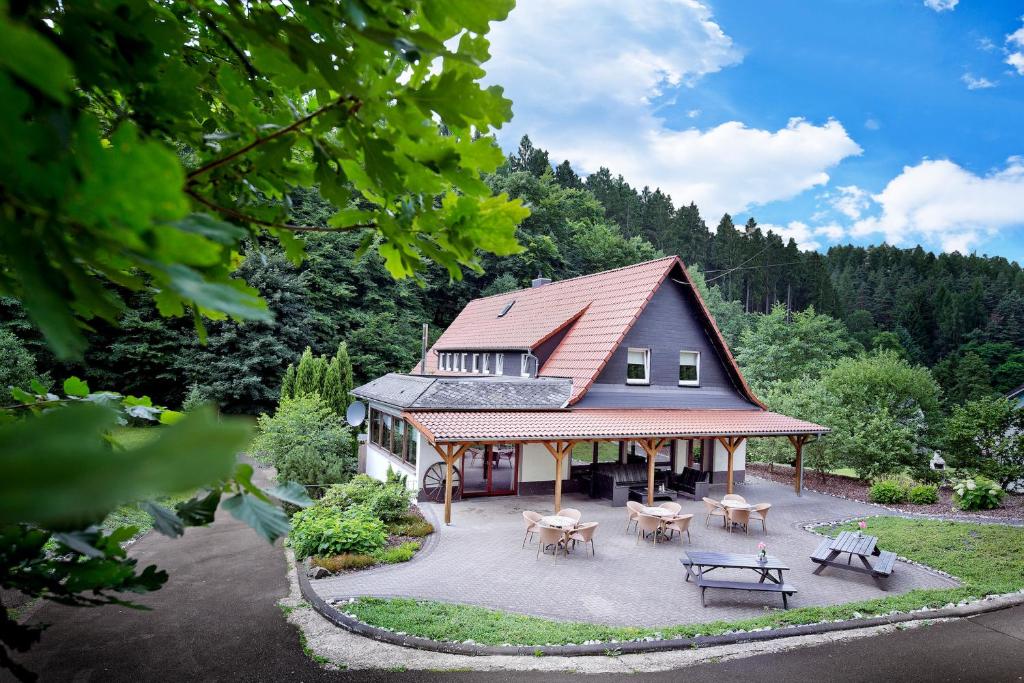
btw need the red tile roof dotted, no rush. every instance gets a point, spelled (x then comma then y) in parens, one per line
(496, 426)
(601, 309)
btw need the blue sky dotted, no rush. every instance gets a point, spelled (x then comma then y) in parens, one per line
(832, 122)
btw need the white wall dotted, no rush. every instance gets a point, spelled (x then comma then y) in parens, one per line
(537, 464)
(739, 458)
(378, 461)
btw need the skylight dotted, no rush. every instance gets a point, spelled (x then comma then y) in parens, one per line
(506, 309)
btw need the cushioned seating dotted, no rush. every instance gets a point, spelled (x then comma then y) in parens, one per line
(688, 480)
(615, 480)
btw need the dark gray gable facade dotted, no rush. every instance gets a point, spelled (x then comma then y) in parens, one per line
(670, 323)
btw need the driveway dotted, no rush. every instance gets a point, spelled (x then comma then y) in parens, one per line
(479, 560)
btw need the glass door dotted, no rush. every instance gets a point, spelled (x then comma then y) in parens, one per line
(491, 470)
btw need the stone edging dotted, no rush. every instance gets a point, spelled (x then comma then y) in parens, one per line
(338, 618)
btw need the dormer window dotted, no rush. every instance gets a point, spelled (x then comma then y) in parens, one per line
(462, 362)
(506, 308)
(486, 367)
(476, 362)
(638, 366)
(689, 368)
(499, 363)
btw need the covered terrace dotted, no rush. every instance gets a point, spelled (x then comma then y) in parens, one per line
(452, 433)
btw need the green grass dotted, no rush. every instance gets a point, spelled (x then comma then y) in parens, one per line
(987, 558)
(607, 451)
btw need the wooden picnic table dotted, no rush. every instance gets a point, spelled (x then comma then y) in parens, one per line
(698, 564)
(854, 545)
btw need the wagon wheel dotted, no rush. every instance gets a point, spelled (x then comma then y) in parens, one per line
(433, 482)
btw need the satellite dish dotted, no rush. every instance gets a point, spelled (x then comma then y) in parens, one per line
(355, 414)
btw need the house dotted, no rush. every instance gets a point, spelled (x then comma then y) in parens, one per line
(518, 381)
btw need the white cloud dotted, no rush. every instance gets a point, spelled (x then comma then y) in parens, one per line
(587, 78)
(941, 5)
(986, 44)
(693, 113)
(872, 124)
(976, 83)
(804, 235)
(1015, 50)
(937, 202)
(851, 201)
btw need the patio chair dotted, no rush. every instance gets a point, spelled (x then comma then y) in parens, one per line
(674, 508)
(760, 512)
(647, 524)
(531, 518)
(739, 516)
(633, 509)
(550, 537)
(734, 496)
(571, 513)
(680, 523)
(584, 534)
(713, 509)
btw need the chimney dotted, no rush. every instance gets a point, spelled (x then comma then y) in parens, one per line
(540, 281)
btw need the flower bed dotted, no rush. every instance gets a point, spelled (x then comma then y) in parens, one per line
(857, 489)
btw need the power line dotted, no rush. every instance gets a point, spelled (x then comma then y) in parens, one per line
(727, 271)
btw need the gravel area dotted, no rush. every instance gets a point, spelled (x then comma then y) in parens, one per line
(1011, 512)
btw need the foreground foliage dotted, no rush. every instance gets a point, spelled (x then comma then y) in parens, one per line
(986, 557)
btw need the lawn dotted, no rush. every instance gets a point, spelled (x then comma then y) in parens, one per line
(987, 558)
(607, 451)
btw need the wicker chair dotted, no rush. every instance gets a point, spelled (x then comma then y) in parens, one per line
(760, 512)
(633, 509)
(734, 496)
(713, 509)
(571, 513)
(550, 537)
(739, 516)
(584, 534)
(647, 524)
(674, 508)
(680, 523)
(531, 518)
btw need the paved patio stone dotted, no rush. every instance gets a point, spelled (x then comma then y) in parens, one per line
(478, 560)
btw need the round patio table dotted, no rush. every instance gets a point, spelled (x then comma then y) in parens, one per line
(657, 512)
(736, 504)
(559, 522)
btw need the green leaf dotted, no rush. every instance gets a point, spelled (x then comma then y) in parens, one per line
(37, 386)
(268, 520)
(84, 478)
(199, 511)
(76, 387)
(164, 521)
(82, 542)
(291, 492)
(22, 396)
(34, 59)
(212, 228)
(169, 417)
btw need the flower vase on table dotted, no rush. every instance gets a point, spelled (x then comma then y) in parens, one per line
(861, 526)
(762, 555)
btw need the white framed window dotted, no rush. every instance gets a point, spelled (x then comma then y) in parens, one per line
(499, 363)
(524, 365)
(446, 361)
(689, 368)
(638, 366)
(486, 366)
(462, 362)
(476, 362)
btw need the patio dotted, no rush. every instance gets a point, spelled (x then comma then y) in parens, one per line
(479, 561)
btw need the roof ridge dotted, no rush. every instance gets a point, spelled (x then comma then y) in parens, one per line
(578, 277)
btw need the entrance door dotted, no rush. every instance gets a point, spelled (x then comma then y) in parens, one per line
(491, 470)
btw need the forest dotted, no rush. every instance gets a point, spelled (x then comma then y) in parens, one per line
(961, 316)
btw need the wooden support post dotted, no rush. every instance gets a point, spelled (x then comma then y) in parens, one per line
(593, 469)
(558, 450)
(731, 443)
(798, 442)
(449, 452)
(651, 448)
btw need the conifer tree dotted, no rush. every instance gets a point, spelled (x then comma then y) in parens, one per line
(319, 374)
(332, 392)
(288, 383)
(306, 381)
(345, 368)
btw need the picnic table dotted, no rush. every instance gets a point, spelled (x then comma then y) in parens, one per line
(698, 564)
(854, 545)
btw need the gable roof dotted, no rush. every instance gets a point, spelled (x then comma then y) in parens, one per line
(596, 310)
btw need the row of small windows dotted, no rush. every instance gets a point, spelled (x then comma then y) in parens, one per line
(393, 434)
(479, 363)
(638, 367)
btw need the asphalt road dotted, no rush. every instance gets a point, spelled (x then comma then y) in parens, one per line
(217, 620)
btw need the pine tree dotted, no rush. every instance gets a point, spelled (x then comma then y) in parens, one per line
(332, 392)
(306, 381)
(345, 368)
(319, 374)
(566, 176)
(288, 383)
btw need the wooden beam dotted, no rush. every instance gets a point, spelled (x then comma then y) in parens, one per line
(731, 443)
(449, 452)
(651, 448)
(558, 450)
(798, 441)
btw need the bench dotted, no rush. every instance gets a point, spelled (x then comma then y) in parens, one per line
(881, 568)
(822, 552)
(885, 563)
(785, 589)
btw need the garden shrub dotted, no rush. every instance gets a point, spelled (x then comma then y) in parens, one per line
(402, 553)
(337, 563)
(326, 530)
(888, 492)
(388, 501)
(411, 525)
(307, 443)
(978, 493)
(923, 494)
